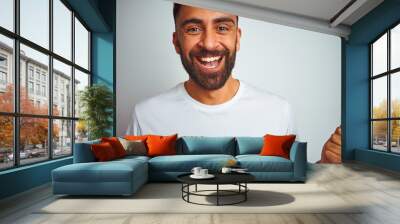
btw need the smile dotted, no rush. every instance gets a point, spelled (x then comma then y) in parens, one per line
(209, 62)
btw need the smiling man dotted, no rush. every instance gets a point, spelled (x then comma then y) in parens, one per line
(211, 102)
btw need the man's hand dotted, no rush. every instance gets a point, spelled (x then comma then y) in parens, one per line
(332, 150)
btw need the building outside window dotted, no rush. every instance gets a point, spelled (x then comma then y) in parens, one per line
(30, 87)
(59, 133)
(30, 72)
(37, 75)
(3, 72)
(3, 61)
(43, 90)
(3, 78)
(38, 89)
(43, 77)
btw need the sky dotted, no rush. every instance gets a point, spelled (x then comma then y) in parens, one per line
(34, 26)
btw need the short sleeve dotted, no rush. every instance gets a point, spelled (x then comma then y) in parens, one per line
(134, 127)
(291, 124)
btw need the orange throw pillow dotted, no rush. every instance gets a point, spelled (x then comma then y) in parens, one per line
(116, 145)
(277, 145)
(103, 152)
(161, 145)
(136, 137)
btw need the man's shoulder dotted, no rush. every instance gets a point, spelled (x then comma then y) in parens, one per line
(262, 95)
(167, 97)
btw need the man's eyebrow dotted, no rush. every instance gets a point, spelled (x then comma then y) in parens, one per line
(193, 20)
(199, 21)
(224, 19)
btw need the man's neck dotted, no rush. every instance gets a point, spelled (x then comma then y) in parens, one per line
(213, 97)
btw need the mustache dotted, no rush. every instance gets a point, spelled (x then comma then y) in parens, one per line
(207, 53)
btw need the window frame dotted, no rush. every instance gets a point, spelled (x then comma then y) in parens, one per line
(16, 115)
(388, 74)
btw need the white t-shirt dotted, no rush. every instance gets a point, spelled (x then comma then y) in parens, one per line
(251, 112)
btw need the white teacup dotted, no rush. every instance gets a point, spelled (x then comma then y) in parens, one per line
(203, 172)
(196, 171)
(226, 170)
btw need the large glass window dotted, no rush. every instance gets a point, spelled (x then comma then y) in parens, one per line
(395, 47)
(62, 29)
(40, 62)
(6, 142)
(41, 123)
(62, 137)
(35, 21)
(6, 73)
(7, 14)
(385, 91)
(81, 81)
(33, 140)
(62, 92)
(81, 45)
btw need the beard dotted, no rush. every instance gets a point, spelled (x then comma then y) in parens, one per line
(209, 80)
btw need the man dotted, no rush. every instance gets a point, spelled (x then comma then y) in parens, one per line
(211, 102)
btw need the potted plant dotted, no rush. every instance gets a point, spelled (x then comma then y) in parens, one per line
(96, 102)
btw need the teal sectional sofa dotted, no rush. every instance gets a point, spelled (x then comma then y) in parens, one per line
(125, 176)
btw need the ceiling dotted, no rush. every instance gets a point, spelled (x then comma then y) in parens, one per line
(320, 9)
(326, 16)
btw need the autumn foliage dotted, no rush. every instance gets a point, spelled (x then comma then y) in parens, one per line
(33, 131)
(379, 128)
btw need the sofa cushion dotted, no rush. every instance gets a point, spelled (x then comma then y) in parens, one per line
(111, 171)
(135, 147)
(132, 158)
(277, 145)
(257, 163)
(103, 152)
(83, 152)
(161, 145)
(116, 145)
(185, 163)
(196, 145)
(249, 145)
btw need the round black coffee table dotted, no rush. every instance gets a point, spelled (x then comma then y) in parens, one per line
(238, 179)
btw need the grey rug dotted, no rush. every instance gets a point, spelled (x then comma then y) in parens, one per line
(166, 198)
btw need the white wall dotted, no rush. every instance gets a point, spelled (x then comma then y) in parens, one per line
(302, 66)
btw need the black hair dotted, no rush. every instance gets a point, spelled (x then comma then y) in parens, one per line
(178, 6)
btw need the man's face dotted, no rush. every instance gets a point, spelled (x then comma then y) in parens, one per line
(207, 42)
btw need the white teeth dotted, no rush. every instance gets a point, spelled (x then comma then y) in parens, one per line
(210, 59)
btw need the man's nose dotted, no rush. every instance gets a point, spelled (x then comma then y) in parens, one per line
(209, 40)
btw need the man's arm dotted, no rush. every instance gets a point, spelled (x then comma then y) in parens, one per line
(291, 124)
(134, 127)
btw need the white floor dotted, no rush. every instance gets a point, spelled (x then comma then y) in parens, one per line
(377, 189)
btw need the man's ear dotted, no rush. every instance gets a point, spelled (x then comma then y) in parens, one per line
(176, 42)
(238, 36)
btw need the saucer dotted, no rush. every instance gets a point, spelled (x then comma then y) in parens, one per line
(208, 176)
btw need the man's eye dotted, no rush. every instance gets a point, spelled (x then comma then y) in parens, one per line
(193, 30)
(222, 28)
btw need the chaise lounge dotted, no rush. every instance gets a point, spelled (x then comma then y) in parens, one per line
(125, 176)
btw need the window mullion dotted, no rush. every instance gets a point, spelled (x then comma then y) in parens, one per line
(73, 82)
(389, 104)
(16, 84)
(50, 81)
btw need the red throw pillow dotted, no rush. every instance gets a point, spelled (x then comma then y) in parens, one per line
(116, 145)
(103, 151)
(161, 145)
(277, 145)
